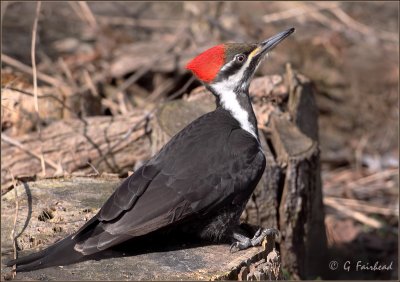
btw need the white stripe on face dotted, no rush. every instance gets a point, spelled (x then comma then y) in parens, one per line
(228, 98)
(229, 102)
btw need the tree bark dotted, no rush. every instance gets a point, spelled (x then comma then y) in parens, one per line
(289, 197)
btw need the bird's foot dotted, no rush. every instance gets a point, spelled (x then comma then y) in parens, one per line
(244, 242)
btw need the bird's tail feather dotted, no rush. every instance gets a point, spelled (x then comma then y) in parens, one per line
(61, 253)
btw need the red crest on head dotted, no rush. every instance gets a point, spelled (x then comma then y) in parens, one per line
(207, 65)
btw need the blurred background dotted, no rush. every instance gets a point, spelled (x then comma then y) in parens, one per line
(117, 56)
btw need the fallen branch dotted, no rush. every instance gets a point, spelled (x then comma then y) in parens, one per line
(338, 206)
(362, 28)
(74, 143)
(27, 69)
(374, 177)
(88, 14)
(296, 12)
(34, 73)
(17, 144)
(362, 206)
(361, 181)
(64, 105)
(33, 57)
(67, 72)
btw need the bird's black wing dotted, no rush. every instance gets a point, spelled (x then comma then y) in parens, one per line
(209, 163)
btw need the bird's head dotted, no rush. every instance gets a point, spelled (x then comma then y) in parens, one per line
(232, 65)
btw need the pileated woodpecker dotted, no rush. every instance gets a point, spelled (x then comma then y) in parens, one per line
(199, 182)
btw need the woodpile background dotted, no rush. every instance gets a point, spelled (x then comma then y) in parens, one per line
(111, 89)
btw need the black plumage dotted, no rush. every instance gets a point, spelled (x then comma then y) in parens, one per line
(201, 169)
(199, 182)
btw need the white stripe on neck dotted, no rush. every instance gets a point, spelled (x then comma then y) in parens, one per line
(230, 103)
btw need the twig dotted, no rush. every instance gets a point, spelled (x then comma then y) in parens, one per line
(93, 167)
(44, 77)
(136, 76)
(77, 10)
(33, 57)
(113, 106)
(17, 144)
(338, 175)
(347, 175)
(374, 177)
(13, 237)
(325, 20)
(362, 28)
(95, 79)
(146, 117)
(362, 206)
(337, 205)
(27, 69)
(347, 22)
(181, 34)
(161, 89)
(67, 72)
(35, 90)
(126, 135)
(182, 90)
(88, 14)
(229, 33)
(359, 152)
(90, 84)
(48, 96)
(295, 12)
(123, 103)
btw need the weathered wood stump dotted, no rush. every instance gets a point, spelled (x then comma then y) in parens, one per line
(288, 196)
(51, 209)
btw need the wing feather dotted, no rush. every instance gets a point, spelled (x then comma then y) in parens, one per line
(189, 176)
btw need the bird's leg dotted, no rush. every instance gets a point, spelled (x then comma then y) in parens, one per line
(243, 242)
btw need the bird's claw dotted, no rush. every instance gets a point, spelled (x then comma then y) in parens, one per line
(258, 233)
(265, 232)
(238, 246)
(257, 239)
(262, 233)
(234, 247)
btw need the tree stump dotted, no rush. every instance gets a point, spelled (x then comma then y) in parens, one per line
(51, 209)
(288, 197)
(291, 188)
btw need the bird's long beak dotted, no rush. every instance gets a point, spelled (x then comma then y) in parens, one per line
(264, 47)
(257, 55)
(271, 42)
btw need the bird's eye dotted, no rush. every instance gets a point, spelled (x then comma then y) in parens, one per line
(240, 58)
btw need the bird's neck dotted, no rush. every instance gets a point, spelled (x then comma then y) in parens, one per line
(238, 104)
